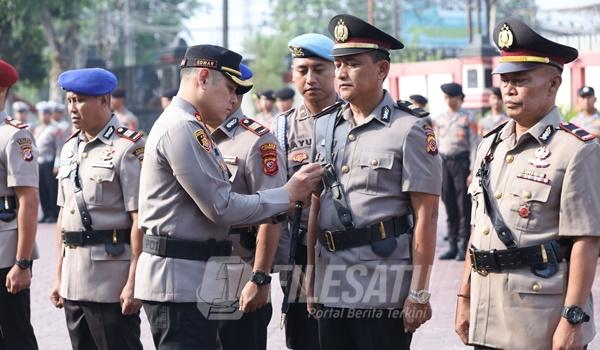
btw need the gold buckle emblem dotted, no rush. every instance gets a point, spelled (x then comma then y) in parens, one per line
(474, 263)
(114, 236)
(340, 32)
(330, 242)
(505, 37)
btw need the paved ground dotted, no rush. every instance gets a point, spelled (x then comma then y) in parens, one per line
(49, 323)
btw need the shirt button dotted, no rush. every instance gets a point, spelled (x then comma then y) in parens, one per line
(374, 162)
(84, 155)
(498, 194)
(536, 287)
(351, 137)
(72, 211)
(510, 158)
(345, 169)
(527, 195)
(485, 230)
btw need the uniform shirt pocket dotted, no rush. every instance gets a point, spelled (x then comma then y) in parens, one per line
(372, 170)
(98, 185)
(531, 291)
(528, 199)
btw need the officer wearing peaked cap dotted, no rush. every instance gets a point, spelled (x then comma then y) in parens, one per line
(313, 75)
(588, 117)
(18, 218)
(284, 99)
(534, 243)
(187, 207)
(255, 163)
(382, 183)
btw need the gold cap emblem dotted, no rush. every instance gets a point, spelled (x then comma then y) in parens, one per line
(296, 51)
(340, 31)
(505, 37)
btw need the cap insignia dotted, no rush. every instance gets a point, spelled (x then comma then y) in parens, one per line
(341, 31)
(296, 51)
(505, 37)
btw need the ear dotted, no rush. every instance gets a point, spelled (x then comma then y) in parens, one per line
(104, 100)
(383, 68)
(202, 77)
(555, 82)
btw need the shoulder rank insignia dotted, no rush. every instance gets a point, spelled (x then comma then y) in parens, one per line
(15, 123)
(73, 135)
(129, 134)
(410, 108)
(496, 129)
(254, 126)
(576, 131)
(328, 110)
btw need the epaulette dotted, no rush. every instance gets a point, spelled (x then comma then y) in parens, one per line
(15, 123)
(254, 126)
(576, 131)
(129, 134)
(496, 129)
(72, 136)
(408, 107)
(329, 109)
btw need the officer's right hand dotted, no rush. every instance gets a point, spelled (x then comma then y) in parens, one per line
(461, 322)
(55, 297)
(300, 186)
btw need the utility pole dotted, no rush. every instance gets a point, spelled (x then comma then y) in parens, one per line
(370, 12)
(225, 24)
(128, 33)
(469, 21)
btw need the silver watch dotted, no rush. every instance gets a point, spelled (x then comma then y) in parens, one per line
(419, 296)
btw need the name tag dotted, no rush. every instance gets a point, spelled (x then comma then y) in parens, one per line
(104, 164)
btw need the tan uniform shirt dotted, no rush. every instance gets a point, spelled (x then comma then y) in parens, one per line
(109, 172)
(265, 118)
(378, 164)
(456, 133)
(18, 167)
(127, 119)
(591, 123)
(187, 195)
(489, 122)
(516, 309)
(49, 140)
(254, 160)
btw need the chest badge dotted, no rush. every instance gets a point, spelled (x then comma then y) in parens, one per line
(300, 157)
(108, 153)
(524, 211)
(540, 158)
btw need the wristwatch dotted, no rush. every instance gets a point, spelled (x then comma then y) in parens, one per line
(24, 264)
(419, 296)
(260, 278)
(575, 315)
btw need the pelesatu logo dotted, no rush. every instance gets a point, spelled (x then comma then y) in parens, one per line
(505, 37)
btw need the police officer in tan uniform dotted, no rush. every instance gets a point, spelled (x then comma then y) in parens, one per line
(187, 207)
(495, 116)
(457, 135)
(98, 239)
(18, 217)
(255, 162)
(267, 104)
(313, 75)
(375, 218)
(534, 244)
(588, 117)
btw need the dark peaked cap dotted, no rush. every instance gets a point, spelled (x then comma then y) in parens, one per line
(352, 36)
(523, 49)
(217, 58)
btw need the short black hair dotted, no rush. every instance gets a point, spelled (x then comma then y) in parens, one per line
(378, 55)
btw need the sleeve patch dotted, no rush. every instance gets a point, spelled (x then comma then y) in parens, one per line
(139, 154)
(268, 153)
(129, 134)
(254, 126)
(430, 144)
(203, 139)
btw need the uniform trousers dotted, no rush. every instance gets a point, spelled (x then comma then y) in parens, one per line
(346, 329)
(16, 332)
(48, 187)
(101, 326)
(455, 197)
(247, 333)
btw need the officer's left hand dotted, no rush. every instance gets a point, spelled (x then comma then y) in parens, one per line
(567, 336)
(17, 279)
(415, 315)
(253, 297)
(129, 305)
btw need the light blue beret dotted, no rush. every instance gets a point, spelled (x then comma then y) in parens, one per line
(311, 45)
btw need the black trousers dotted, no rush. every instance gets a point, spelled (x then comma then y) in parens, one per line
(455, 197)
(247, 333)
(101, 326)
(16, 332)
(360, 329)
(301, 330)
(48, 187)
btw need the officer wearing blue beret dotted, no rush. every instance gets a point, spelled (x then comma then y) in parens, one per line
(98, 238)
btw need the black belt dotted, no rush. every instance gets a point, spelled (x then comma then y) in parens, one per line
(486, 261)
(83, 238)
(185, 249)
(346, 239)
(247, 236)
(458, 156)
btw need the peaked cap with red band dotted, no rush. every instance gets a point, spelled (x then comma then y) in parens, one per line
(352, 36)
(523, 49)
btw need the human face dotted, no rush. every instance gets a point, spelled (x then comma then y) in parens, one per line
(358, 77)
(495, 103)
(21, 116)
(265, 104)
(117, 103)
(284, 105)
(219, 99)
(586, 104)
(45, 116)
(313, 77)
(529, 95)
(87, 113)
(453, 102)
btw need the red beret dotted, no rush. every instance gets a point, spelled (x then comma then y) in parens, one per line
(8, 75)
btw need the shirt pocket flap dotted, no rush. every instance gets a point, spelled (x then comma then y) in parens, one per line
(63, 172)
(402, 251)
(524, 281)
(531, 191)
(102, 175)
(98, 253)
(376, 160)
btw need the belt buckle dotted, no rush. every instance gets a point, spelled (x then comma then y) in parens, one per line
(329, 240)
(474, 263)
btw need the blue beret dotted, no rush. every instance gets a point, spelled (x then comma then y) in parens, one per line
(88, 81)
(311, 45)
